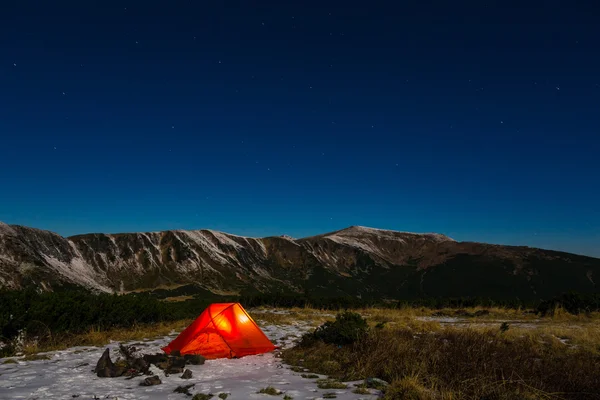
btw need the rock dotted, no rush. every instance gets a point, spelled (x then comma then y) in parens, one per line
(173, 370)
(174, 365)
(156, 359)
(184, 389)
(132, 361)
(105, 367)
(375, 383)
(153, 380)
(194, 359)
(177, 362)
(176, 353)
(187, 374)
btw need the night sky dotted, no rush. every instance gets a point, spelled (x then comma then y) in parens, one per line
(479, 120)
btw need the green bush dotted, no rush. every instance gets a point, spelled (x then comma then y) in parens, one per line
(347, 328)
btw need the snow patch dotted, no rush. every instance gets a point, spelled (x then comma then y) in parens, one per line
(68, 373)
(77, 271)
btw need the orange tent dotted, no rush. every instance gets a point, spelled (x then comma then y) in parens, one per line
(223, 330)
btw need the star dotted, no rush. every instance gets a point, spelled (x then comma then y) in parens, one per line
(501, 122)
(557, 88)
(173, 127)
(14, 64)
(63, 93)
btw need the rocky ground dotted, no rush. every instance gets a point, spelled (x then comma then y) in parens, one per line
(69, 374)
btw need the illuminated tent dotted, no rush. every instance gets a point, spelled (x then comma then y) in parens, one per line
(223, 330)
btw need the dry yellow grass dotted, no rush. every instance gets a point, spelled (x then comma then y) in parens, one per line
(462, 363)
(534, 358)
(273, 316)
(96, 337)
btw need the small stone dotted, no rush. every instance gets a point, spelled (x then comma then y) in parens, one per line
(187, 374)
(184, 389)
(153, 380)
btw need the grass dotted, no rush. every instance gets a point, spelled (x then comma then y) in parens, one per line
(35, 357)
(202, 396)
(330, 384)
(223, 396)
(425, 361)
(267, 316)
(329, 396)
(270, 390)
(176, 299)
(310, 376)
(97, 337)
(361, 390)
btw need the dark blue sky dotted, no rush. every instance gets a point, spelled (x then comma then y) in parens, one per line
(480, 120)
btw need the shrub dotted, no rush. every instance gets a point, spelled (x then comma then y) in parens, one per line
(573, 303)
(347, 328)
(270, 390)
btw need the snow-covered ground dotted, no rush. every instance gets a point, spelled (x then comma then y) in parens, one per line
(68, 374)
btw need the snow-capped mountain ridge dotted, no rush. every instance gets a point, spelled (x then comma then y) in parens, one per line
(353, 261)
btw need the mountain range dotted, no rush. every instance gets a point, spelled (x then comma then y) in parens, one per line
(356, 261)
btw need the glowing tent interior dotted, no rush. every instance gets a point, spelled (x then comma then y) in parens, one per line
(223, 330)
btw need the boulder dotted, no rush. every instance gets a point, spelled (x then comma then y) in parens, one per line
(134, 362)
(153, 380)
(156, 358)
(105, 367)
(187, 374)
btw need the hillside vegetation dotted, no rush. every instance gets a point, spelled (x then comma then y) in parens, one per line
(428, 361)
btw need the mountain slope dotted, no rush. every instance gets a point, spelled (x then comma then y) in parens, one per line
(356, 261)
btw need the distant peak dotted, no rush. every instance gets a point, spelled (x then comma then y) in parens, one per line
(6, 229)
(358, 229)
